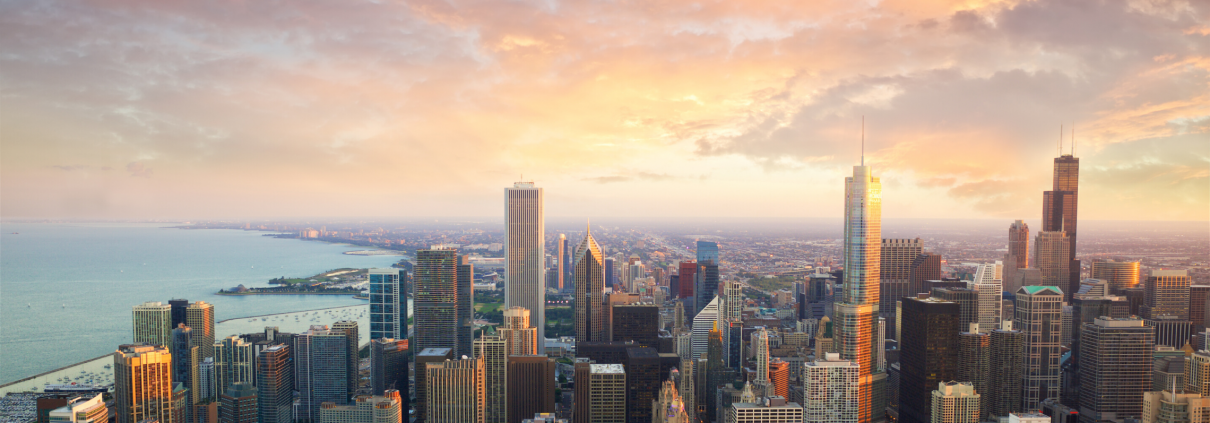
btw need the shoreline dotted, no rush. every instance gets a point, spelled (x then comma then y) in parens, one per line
(236, 294)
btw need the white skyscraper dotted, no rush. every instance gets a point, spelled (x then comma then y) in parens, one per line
(153, 323)
(990, 286)
(760, 349)
(525, 247)
(702, 324)
(831, 387)
(955, 402)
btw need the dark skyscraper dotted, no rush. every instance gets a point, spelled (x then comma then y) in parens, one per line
(1115, 366)
(1166, 294)
(639, 323)
(928, 354)
(706, 285)
(184, 369)
(610, 279)
(968, 302)
(974, 353)
(436, 300)
(687, 275)
(238, 404)
(179, 316)
(1004, 378)
(925, 267)
(349, 329)
(534, 377)
(423, 358)
(895, 272)
(590, 292)
(388, 365)
(275, 385)
(466, 306)
(1059, 207)
(320, 373)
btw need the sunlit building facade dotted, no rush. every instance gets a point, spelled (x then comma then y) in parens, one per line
(525, 247)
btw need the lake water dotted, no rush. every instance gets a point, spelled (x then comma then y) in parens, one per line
(66, 289)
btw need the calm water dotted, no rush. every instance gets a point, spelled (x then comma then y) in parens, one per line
(66, 289)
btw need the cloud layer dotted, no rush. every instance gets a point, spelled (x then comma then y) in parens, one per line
(664, 108)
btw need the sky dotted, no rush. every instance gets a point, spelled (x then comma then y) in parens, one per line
(660, 108)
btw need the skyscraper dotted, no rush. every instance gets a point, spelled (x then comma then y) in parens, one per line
(1167, 294)
(974, 365)
(425, 358)
(388, 365)
(1018, 243)
(856, 316)
(760, 349)
(275, 385)
(1005, 378)
(184, 363)
(349, 329)
(563, 263)
(1038, 317)
(968, 304)
(590, 292)
(1059, 208)
(320, 361)
(493, 352)
(388, 303)
(606, 394)
(199, 316)
(234, 362)
(1115, 362)
(466, 305)
(895, 273)
(686, 275)
(707, 251)
(929, 353)
(990, 289)
(955, 402)
(386, 408)
(455, 391)
(705, 320)
(522, 338)
(237, 404)
(779, 377)
(142, 386)
(668, 407)
(925, 267)
(705, 284)
(1119, 274)
(153, 323)
(436, 300)
(831, 387)
(525, 244)
(1174, 407)
(638, 323)
(531, 380)
(1051, 257)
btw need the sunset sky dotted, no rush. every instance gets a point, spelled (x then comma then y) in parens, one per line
(228, 109)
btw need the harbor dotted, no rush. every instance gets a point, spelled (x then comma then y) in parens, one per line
(99, 370)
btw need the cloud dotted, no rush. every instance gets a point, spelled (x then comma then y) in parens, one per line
(138, 170)
(638, 176)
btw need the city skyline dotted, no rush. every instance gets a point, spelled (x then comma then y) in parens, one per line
(749, 103)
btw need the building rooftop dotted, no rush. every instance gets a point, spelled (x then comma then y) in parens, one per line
(607, 368)
(1035, 289)
(437, 352)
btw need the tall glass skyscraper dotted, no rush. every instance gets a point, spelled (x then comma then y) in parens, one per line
(524, 249)
(707, 250)
(590, 271)
(436, 301)
(856, 314)
(388, 304)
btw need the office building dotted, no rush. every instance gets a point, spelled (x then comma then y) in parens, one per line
(455, 391)
(518, 333)
(686, 274)
(706, 284)
(1005, 378)
(1170, 406)
(80, 410)
(388, 365)
(638, 323)
(1051, 254)
(1167, 294)
(644, 367)
(436, 300)
(1115, 364)
(989, 288)
(955, 402)
(605, 394)
(238, 404)
(388, 303)
(320, 374)
(234, 362)
(153, 323)
(974, 362)
(562, 264)
(760, 351)
(1038, 316)
(423, 360)
(668, 407)
(275, 385)
(569, 271)
(352, 356)
(703, 322)
(143, 385)
(968, 304)
(766, 410)
(206, 412)
(929, 353)
(856, 316)
(1059, 215)
(1170, 330)
(1197, 373)
(525, 244)
(925, 267)
(590, 291)
(895, 273)
(533, 376)
(1168, 372)
(1118, 274)
(179, 316)
(199, 316)
(181, 408)
(466, 306)
(779, 377)
(1018, 243)
(386, 408)
(686, 383)
(831, 387)
(493, 351)
(184, 363)
(1199, 295)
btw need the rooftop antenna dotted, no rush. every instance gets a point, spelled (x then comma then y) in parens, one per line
(863, 140)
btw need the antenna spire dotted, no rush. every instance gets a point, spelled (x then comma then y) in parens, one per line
(863, 140)
(588, 227)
